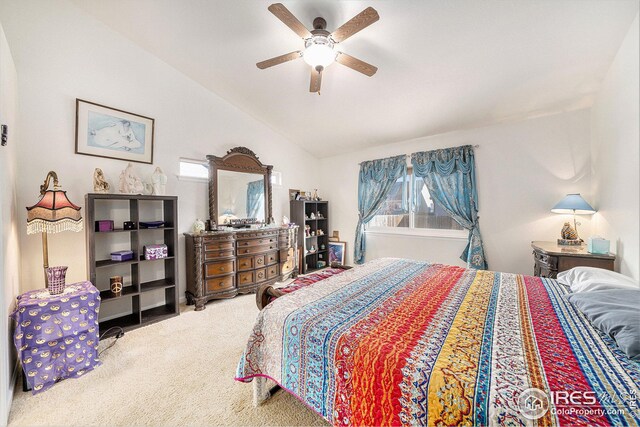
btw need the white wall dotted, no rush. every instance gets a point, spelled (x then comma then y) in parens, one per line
(9, 224)
(62, 54)
(523, 169)
(615, 141)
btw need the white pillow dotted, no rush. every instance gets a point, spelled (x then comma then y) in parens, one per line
(582, 279)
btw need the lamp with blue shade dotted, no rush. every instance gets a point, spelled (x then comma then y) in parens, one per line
(572, 204)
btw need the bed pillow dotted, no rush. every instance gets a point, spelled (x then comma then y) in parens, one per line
(582, 279)
(616, 312)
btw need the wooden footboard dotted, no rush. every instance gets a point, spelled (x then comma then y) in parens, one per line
(267, 293)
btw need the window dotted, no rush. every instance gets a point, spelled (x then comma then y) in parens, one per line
(194, 169)
(199, 170)
(409, 207)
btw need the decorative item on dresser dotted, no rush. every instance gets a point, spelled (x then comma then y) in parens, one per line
(314, 235)
(142, 280)
(223, 264)
(551, 258)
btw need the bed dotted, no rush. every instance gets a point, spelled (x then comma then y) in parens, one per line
(399, 342)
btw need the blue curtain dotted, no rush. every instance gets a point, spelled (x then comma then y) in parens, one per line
(375, 180)
(255, 199)
(450, 177)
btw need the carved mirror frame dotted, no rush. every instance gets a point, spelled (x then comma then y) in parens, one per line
(238, 159)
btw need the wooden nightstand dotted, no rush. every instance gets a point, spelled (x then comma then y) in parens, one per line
(550, 258)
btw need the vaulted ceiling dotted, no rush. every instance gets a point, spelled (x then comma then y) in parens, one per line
(443, 65)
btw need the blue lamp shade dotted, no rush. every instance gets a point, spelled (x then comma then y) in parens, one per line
(573, 204)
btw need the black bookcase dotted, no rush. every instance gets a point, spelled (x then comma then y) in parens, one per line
(150, 291)
(314, 248)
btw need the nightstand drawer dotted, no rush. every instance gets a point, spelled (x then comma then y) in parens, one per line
(547, 260)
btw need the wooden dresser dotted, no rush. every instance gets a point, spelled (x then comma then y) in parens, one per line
(223, 264)
(551, 258)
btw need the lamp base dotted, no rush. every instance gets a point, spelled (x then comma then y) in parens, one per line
(569, 242)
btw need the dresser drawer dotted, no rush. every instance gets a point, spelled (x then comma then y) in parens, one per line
(218, 268)
(261, 275)
(216, 245)
(271, 258)
(272, 271)
(246, 263)
(286, 267)
(245, 278)
(257, 234)
(256, 249)
(218, 284)
(218, 254)
(256, 242)
(258, 261)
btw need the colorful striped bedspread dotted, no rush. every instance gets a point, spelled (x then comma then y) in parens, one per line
(401, 342)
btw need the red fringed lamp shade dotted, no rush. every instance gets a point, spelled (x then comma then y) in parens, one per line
(53, 213)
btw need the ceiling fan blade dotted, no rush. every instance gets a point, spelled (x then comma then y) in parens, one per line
(355, 24)
(356, 64)
(279, 60)
(316, 80)
(283, 14)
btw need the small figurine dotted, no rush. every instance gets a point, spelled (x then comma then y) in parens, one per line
(198, 226)
(159, 182)
(312, 248)
(100, 185)
(319, 215)
(129, 181)
(285, 220)
(568, 232)
(320, 232)
(315, 194)
(313, 216)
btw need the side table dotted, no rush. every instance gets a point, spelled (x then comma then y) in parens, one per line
(550, 259)
(57, 335)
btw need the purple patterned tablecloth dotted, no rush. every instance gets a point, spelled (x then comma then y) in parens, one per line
(57, 335)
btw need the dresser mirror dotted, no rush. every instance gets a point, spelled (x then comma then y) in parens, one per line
(239, 189)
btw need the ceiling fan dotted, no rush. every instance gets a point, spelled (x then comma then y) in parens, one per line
(319, 51)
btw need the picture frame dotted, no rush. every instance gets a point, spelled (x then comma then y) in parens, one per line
(107, 132)
(292, 193)
(337, 251)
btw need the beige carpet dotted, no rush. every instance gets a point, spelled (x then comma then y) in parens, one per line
(176, 372)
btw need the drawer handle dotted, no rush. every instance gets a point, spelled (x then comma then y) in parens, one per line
(260, 261)
(221, 283)
(222, 268)
(260, 275)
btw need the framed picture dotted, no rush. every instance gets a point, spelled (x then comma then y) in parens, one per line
(107, 132)
(336, 252)
(292, 193)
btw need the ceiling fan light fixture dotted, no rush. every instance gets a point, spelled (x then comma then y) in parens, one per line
(319, 52)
